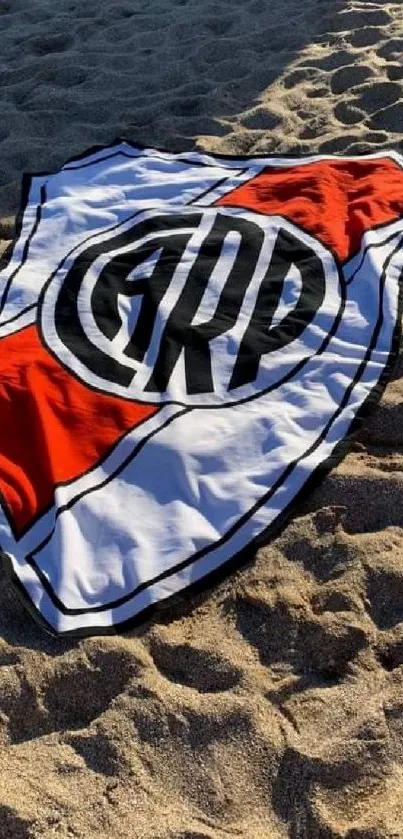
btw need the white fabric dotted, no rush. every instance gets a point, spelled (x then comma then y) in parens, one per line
(217, 469)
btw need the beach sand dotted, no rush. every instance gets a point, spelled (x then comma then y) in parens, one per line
(270, 707)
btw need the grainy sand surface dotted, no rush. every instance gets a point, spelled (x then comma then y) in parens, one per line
(272, 706)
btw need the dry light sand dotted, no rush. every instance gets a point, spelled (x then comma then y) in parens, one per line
(272, 706)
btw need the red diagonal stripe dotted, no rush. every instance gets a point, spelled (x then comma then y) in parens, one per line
(336, 201)
(52, 427)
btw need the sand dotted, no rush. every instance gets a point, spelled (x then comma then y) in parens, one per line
(271, 707)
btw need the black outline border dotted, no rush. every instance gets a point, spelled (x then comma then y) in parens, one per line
(315, 478)
(287, 376)
(18, 535)
(246, 516)
(9, 251)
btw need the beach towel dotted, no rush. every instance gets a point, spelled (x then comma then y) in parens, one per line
(187, 345)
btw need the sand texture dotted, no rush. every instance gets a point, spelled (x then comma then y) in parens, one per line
(272, 706)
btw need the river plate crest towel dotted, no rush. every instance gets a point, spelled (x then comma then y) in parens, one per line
(185, 343)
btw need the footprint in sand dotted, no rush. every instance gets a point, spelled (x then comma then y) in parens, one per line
(73, 692)
(13, 826)
(389, 119)
(394, 72)
(349, 76)
(199, 669)
(385, 592)
(353, 19)
(377, 95)
(365, 37)
(392, 50)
